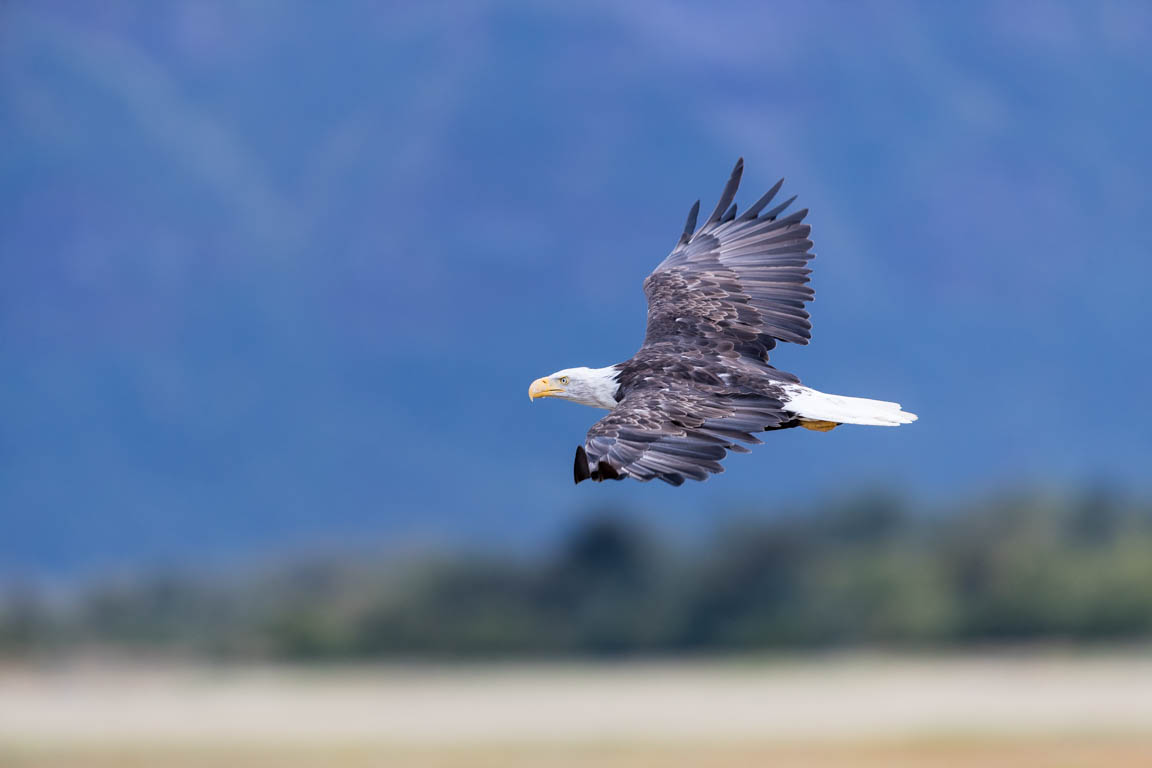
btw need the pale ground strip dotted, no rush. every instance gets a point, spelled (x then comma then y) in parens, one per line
(891, 709)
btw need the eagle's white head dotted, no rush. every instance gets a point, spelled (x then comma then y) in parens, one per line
(588, 386)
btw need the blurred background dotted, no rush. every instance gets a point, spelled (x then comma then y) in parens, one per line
(274, 277)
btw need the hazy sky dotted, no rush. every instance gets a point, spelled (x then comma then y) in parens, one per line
(278, 274)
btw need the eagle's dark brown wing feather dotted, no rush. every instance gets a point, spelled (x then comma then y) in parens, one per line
(741, 280)
(701, 384)
(675, 433)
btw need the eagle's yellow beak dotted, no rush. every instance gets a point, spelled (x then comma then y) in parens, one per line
(542, 388)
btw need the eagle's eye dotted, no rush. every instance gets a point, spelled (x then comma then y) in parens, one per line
(563, 379)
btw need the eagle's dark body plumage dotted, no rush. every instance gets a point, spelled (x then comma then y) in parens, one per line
(701, 384)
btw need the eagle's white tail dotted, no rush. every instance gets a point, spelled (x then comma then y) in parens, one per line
(812, 405)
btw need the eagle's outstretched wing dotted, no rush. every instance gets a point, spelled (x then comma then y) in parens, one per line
(673, 433)
(736, 283)
(728, 291)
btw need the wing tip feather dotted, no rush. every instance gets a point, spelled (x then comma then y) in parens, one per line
(580, 471)
(758, 206)
(728, 193)
(690, 223)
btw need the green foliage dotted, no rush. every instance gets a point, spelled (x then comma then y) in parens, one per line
(869, 572)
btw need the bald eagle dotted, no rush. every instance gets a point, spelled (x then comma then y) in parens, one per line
(701, 385)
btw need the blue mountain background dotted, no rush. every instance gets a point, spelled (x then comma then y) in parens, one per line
(277, 275)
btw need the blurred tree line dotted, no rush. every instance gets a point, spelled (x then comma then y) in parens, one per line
(866, 572)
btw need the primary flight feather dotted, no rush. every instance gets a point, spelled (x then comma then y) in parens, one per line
(701, 385)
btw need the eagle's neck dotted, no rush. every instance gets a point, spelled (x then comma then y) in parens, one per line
(595, 387)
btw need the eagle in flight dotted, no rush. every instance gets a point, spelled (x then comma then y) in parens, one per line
(701, 385)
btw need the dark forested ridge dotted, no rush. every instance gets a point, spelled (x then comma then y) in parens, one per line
(870, 572)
